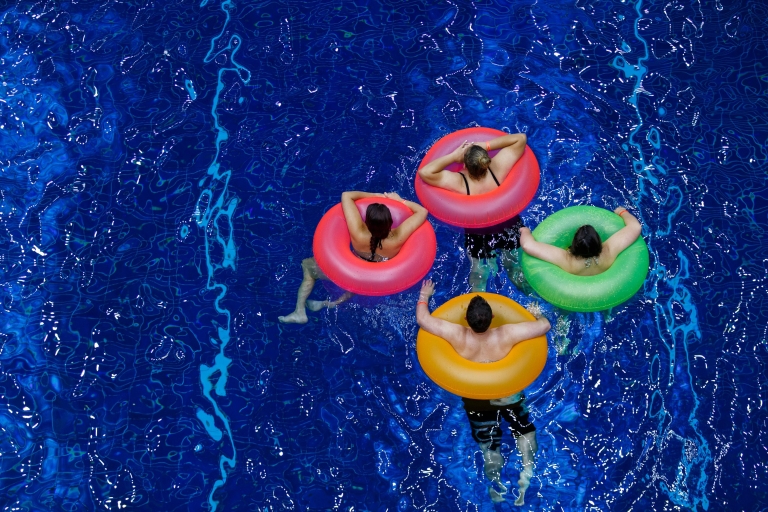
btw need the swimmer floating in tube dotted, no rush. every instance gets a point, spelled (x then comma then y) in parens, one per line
(484, 174)
(372, 240)
(587, 255)
(480, 344)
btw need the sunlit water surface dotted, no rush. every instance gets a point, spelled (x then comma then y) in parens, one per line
(164, 165)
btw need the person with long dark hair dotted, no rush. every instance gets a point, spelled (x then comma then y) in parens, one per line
(587, 255)
(372, 240)
(484, 174)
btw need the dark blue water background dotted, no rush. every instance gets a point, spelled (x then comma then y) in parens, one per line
(164, 165)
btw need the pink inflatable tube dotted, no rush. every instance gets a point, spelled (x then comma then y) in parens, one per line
(490, 209)
(334, 255)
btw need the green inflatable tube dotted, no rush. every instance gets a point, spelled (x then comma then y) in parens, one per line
(585, 293)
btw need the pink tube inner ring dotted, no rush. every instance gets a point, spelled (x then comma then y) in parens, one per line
(485, 210)
(334, 256)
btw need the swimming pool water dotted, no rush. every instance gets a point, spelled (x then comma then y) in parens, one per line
(164, 165)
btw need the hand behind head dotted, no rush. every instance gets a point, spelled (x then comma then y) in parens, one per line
(393, 195)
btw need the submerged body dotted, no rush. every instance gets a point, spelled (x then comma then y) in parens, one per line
(480, 344)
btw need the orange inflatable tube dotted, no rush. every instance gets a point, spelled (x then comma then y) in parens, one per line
(481, 381)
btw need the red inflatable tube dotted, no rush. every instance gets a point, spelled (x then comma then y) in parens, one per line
(490, 209)
(335, 258)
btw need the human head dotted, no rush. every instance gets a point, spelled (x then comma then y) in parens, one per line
(479, 314)
(586, 242)
(378, 220)
(477, 161)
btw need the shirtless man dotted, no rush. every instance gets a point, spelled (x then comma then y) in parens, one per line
(483, 345)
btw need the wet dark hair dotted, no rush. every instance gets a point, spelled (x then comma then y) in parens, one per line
(586, 242)
(477, 161)
(479, 314)
(378, 220)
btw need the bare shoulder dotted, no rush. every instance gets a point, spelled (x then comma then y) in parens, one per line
(620, 240)
(452, 181)
(454, 334)
(512, 332)
(549, 253)
(515, 333)
(506, 158)
(444, 179)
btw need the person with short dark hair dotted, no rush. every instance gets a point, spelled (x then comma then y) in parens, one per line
(482, 344)
(484, 174)
(587, 255)
(372, 240)
(479, 314)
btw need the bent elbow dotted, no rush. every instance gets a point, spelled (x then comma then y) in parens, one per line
(525, 244)
(523, 138)
(638, 231)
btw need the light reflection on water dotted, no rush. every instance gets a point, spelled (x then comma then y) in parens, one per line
(140, 359)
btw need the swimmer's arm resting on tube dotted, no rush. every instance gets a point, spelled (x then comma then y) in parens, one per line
(517, 140)
(454, 334)
(623, 238)
(542, 251)
(401, 233)
(512, 334)
(355, 224)
(433, 174)
(511, 146)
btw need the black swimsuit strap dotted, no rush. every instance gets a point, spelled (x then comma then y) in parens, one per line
(466, 183)
(494, 178)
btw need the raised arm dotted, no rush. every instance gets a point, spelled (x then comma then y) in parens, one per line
(454, 334)
(515, 141)
(401, 233)
(511, 148)
(542, 251)
(624, 237)
(352, 215)
(434, 172)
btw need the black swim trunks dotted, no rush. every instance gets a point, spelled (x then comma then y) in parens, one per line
(485, 420)
(483, 243)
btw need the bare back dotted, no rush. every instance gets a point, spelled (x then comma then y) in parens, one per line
(390, 246)
(490, 346)
(487, 347)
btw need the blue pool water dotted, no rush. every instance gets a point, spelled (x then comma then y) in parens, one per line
(164, 165)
